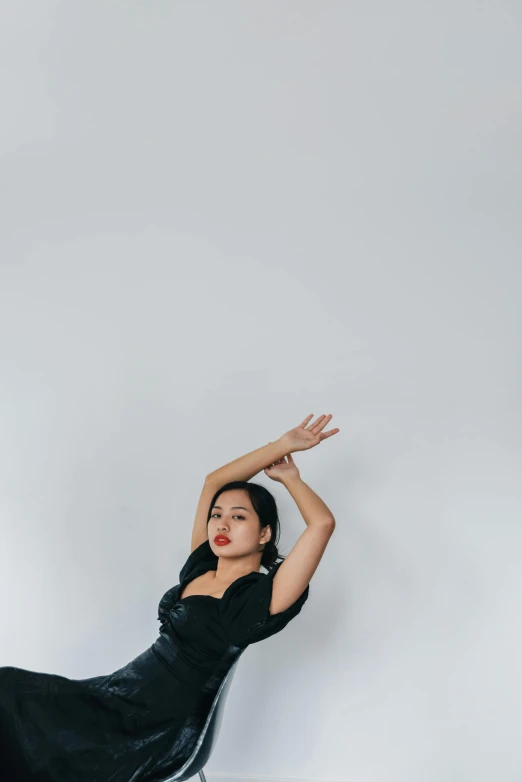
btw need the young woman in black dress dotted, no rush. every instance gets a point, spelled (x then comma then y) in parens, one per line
(141, 722)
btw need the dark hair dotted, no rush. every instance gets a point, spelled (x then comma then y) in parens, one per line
(265, 506)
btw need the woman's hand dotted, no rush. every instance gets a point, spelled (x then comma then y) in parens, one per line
(282, 470)
(303, 437)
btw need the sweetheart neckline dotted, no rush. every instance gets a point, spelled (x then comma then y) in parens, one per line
(182, 585)
(181, 599)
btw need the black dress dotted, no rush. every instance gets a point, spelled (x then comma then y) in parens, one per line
(142, 721)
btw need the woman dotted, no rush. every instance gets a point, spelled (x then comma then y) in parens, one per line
(142, 721)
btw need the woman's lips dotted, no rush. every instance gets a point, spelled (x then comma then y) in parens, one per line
(221, 541)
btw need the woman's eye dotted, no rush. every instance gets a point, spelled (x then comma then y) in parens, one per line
(235, 517)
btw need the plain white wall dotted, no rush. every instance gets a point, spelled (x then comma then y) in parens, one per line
(216, 219)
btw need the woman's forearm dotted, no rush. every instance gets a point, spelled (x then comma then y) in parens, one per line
(312, 508)
(245, 467)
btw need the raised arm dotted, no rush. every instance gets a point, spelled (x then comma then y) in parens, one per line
(199, 528)
(301, 438)
(245, 467)
(297, 569)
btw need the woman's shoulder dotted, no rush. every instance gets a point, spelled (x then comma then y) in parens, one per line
(245, 608)
(202, 553)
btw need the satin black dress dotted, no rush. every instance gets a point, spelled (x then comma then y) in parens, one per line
(141, 722)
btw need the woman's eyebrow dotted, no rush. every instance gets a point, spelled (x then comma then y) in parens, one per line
(234, 507)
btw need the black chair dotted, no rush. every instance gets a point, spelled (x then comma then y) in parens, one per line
(210, 731)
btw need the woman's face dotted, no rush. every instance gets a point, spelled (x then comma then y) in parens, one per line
(234, 516)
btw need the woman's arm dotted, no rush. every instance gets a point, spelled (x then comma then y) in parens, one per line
(300, 438)
(312, 508)
(298, 567)
(245, 467)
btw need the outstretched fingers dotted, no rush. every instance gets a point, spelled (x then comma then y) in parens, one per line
(330, 432)
(318, 425)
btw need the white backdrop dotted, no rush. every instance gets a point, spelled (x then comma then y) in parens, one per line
(218, 218)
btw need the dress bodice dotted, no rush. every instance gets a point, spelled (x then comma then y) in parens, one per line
(200, 628)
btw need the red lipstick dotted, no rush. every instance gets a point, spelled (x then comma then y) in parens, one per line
(221, 540)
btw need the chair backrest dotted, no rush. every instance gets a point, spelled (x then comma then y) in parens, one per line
(210, 731)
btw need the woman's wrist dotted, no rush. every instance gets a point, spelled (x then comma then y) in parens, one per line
(291, 480)
(245, 467)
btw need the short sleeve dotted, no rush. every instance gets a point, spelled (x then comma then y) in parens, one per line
(245, 609)
(166, 603)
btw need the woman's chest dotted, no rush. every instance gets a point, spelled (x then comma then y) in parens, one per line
(204, 585)
(196, 622)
